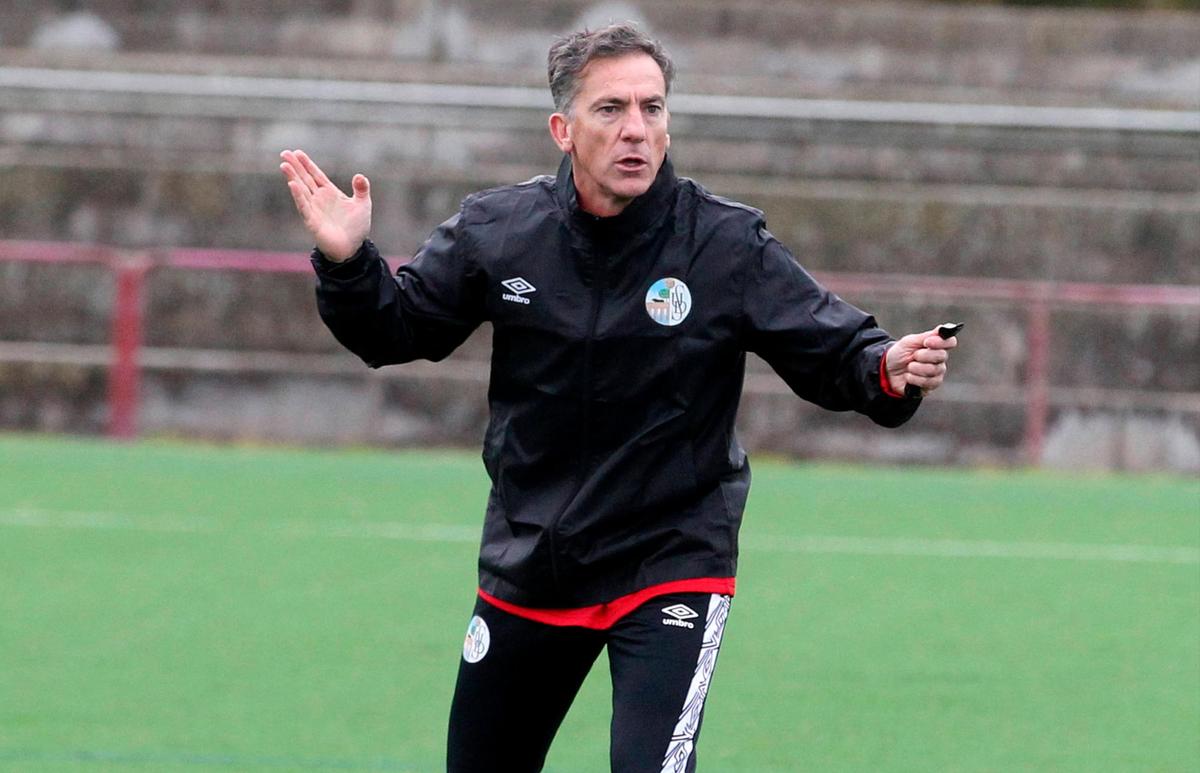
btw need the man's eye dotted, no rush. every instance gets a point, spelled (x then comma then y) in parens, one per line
(654, 109)
(608, 109)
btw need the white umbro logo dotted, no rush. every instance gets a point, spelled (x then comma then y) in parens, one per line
(681, 614)
(518, 287)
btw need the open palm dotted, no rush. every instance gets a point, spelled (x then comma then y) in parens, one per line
(338, 222)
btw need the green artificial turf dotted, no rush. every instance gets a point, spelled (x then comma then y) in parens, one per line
(186, 607)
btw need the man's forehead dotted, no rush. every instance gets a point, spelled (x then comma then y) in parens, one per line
(620, 73)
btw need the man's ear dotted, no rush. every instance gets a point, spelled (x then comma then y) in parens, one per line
(668, 145)
(560, 131)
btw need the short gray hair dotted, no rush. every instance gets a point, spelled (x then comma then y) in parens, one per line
(570, 55)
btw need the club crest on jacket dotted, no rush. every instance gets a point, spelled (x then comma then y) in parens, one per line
(668, 301)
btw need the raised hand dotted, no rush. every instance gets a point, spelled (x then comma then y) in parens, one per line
(338, 222)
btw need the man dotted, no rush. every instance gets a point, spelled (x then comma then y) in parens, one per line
(623, 300)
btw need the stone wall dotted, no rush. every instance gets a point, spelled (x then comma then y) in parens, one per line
(138, 169)
(874, 47)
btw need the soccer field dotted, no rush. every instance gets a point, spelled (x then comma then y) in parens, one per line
(185, 607)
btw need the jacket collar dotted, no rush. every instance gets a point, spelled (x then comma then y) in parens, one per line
(641, 215)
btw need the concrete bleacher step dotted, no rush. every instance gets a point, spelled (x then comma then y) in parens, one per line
(804, 48)
(933, 197)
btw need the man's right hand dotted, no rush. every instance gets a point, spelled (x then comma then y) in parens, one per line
(338, 222)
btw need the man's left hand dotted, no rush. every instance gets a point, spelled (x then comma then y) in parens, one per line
(919, 359)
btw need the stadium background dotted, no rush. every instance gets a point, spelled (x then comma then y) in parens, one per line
(1029, 170)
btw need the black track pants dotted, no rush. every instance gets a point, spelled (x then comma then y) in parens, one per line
(517, 679)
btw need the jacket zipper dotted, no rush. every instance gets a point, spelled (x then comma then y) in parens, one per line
(600, 278)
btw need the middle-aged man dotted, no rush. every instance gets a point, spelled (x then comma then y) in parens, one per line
(623, 300)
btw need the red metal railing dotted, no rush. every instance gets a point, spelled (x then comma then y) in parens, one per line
(1036, 297)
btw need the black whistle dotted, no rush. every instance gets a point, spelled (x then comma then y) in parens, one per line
(944, 330)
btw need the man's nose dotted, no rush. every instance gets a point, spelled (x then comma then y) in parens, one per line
(634, 127)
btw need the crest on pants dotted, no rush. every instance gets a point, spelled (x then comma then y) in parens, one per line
(478, 641)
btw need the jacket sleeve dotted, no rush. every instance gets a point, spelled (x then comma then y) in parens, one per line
(829, 352)
(425, 311)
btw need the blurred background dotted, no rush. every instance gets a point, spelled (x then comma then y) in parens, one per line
(1028, 168)
(278, 597)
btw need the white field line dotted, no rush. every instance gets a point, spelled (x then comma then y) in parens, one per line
(954, 548)
(59, 519)
(411, 532)
(396, 530)
(449, 533)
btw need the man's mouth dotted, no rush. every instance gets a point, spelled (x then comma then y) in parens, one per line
(632, 164)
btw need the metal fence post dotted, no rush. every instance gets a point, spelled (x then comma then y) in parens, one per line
(1037, 378)
(124, 374)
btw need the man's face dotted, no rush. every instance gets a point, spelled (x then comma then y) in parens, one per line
(616, 131)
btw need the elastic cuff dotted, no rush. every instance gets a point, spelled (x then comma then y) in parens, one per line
(883, 379)
(326, 266)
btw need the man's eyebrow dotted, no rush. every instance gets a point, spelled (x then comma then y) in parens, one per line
(615, 100)
(609, 100)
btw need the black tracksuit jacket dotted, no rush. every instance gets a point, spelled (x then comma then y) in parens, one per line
(611, 444)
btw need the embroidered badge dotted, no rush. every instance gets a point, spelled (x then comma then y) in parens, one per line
(668, 301)
(478, 640)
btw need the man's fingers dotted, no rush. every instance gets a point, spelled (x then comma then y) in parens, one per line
(311, 167)
(291, 169)
(922, 358)
(926, 384)
(303, 201)
(304, 175)
(931, 355)
(301, 174)
(926, 370)
(300, 196)
(289, 172)
(935, 341)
